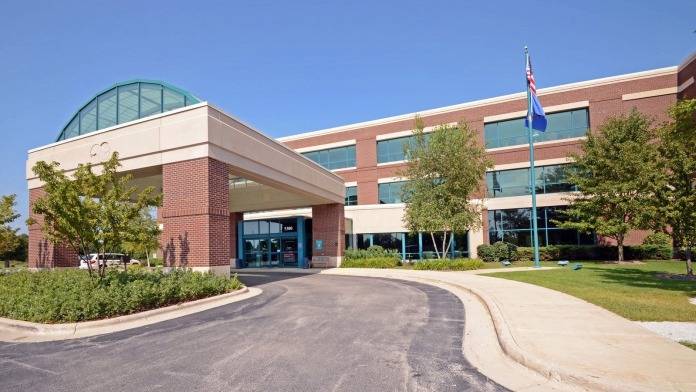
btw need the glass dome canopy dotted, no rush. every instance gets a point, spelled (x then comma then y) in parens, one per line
(124, 102)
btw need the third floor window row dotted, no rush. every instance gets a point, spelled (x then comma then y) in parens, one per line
(333, 158)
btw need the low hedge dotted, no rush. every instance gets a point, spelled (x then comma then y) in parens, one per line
(594, 252)
(71, 295)
(448, 264)
(375, 251)
(375, 262)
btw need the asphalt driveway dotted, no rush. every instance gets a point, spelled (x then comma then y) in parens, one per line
(304, 333)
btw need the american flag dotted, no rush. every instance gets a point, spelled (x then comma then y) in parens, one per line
(536, 113)
(530, 76)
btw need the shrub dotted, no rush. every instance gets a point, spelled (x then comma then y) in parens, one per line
(658, 239)
(546, 253)
(448, 264)
(374, 251)
(72, 295)
(374, 262)
(497, 252)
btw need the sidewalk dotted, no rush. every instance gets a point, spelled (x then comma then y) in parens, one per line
(563, 338)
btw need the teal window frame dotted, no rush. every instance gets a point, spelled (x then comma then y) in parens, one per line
(92, 116)
(333, 158)
(561, 125)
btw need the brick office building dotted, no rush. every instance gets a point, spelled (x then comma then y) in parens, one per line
(232, 195)
(369, 155)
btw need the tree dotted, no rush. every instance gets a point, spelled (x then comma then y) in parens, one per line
(88, 211)
(8, 236)
(618, 175)
(676, 202)
(446, 167)
(144, 237)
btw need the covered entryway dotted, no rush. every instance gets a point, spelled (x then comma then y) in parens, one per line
(211, 168)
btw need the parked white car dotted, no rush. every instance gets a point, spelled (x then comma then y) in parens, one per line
(111, 259)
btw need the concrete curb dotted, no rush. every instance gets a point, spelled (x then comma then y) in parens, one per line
(24, 331)
(506, 340)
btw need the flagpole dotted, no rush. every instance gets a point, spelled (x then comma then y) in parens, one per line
(532, 171)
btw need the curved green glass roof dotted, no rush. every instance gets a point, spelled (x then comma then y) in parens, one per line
(124, 102)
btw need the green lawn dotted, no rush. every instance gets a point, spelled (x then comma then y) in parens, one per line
(632, 291)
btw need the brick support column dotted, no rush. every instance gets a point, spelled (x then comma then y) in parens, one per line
(43, 254)
(195, 215)
(328, 226)
(235, 218)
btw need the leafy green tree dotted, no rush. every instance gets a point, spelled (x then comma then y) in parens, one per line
(446, 167)
(676, 202)
(8, 236)
(89, 211)
(144, 237)
(618, 175)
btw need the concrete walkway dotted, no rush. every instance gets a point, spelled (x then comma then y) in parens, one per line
(559, 336)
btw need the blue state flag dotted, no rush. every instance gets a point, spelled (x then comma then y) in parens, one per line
(536, 110)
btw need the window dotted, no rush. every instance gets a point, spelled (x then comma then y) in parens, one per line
(88, 118)
(150, 99)
(123, 103)
(390, 192)
(393, 150)
(561, 125)
(513, 226)
(515, 182)
(107, 109)
(388, 240)
(333, 158)
(351, 196)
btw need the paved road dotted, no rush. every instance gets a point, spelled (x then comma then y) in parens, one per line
(304, 333)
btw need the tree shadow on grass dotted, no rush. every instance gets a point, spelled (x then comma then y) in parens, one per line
(636, 277)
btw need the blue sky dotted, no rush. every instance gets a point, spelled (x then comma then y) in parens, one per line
(295, 66)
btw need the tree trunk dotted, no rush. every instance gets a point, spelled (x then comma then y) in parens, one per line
(620, 244)
(7, 263)
(444, 241)
(689, 266)
(432, 237)
(147, 254)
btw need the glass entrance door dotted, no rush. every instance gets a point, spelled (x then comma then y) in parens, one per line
(289, 252)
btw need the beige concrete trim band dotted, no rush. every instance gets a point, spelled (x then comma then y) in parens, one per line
(649, 93)
(25, 331)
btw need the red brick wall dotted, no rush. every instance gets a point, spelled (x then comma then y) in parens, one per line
(43, 254)
(604, 101)
(686, 72)
(328, 224)
(195, 213)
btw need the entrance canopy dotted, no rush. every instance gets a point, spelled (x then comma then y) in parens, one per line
(263, 174)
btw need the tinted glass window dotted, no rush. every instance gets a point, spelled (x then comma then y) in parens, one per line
(561, 125)
(333, 158)
(351, 195)
(513, 225)
(107, 109)
(515, 182)
(390, 192)
(128, 103)
(88, 118)
(150, 99)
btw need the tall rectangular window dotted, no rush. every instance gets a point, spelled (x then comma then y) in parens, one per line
(128, 103)
(107, 109)
(515, 182)
(561, 125)
(333, 158)
(513, 225)
(351, 195)
(150, 99)
(390, 192)
(88, 118)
